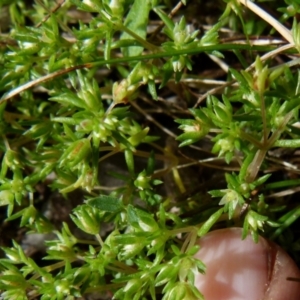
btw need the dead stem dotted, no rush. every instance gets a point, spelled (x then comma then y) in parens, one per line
(58, 5)
(269, 19)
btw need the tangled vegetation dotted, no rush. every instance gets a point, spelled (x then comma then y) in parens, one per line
(130, 128)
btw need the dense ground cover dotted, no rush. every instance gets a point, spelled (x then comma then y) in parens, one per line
(131, 128)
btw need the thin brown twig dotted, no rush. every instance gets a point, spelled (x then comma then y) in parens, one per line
(151, 119)
(284, 193)
(58, 5)
(42, 79)
(286, 33)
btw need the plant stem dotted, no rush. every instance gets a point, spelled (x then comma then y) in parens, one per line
(90, 65)
(99, 239)
(139, 39)
(268, 18)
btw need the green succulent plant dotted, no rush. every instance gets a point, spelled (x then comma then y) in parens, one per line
(87, 85)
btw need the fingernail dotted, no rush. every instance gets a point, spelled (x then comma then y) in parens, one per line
(281, 268)
(244, 270)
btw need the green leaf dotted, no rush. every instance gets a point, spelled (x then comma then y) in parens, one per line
(151, 163)
(262, 180)
(76, 153)
(107, 45)
(136, 21)
(68, 98)
(165, 18)
(106, 203)
(211, 36)
(287, 220)
(140, 219)
(152, 89)
(129, 161)
(6, 197)
(138, 138)
(166, 273)
(188, 138)
(92, 6)
(245, 166)
(132, 216)
(87, 218)
(295, 143)
(16, 279)
(39, 130)
(239, 78)
(210, 222)
(216, 193)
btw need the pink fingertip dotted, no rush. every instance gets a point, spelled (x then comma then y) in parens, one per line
(243, 270)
